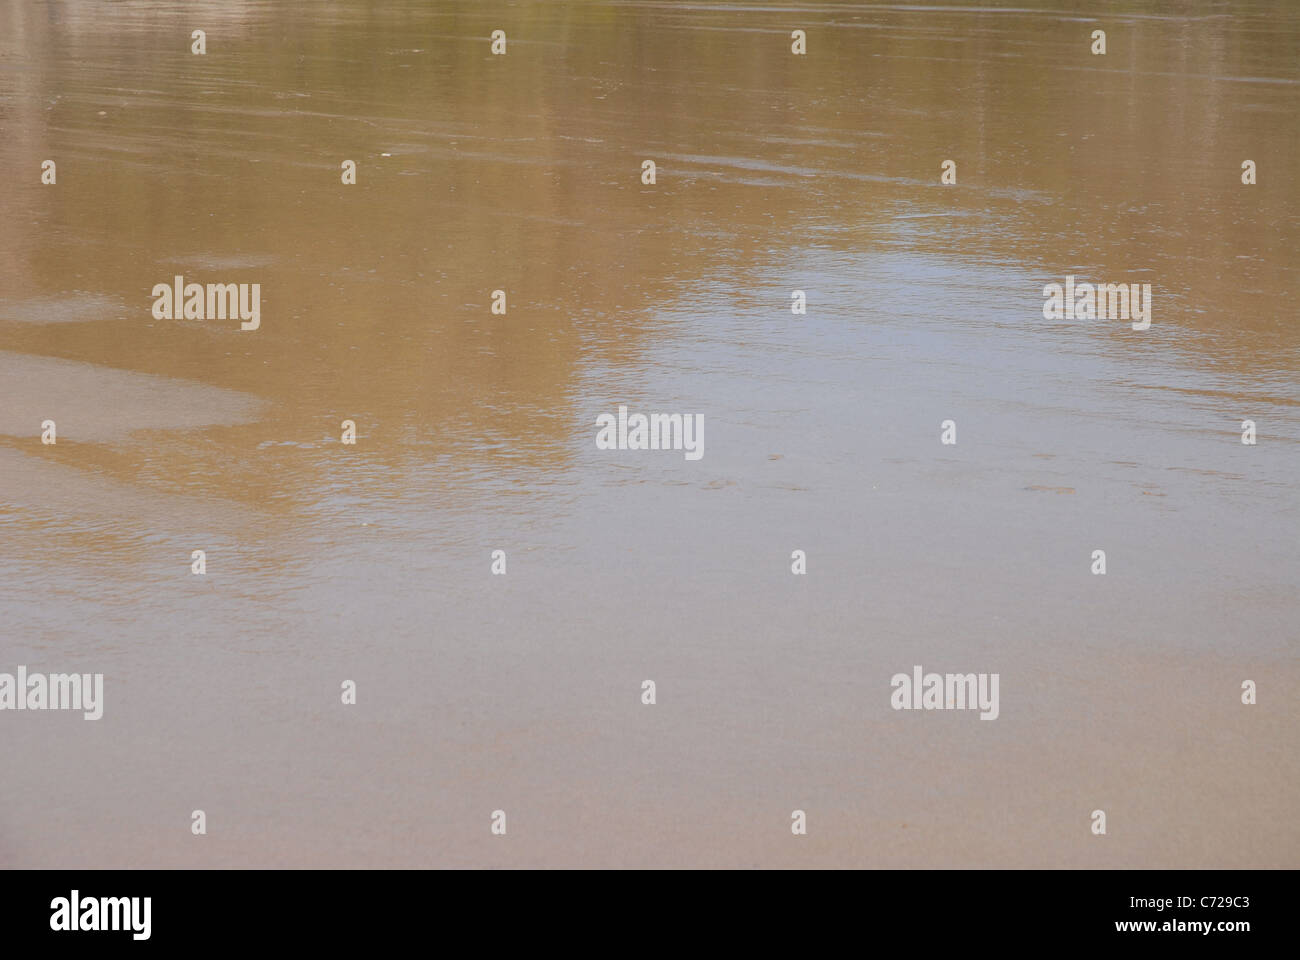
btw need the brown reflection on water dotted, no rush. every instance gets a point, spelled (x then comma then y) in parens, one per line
(521, 173)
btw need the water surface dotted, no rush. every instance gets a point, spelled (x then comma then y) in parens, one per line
(371, 562)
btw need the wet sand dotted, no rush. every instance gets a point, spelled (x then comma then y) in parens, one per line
(371, 562)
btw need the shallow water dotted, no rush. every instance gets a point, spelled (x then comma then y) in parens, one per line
(371, 562)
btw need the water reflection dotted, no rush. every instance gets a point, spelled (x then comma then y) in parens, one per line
(521, 173)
